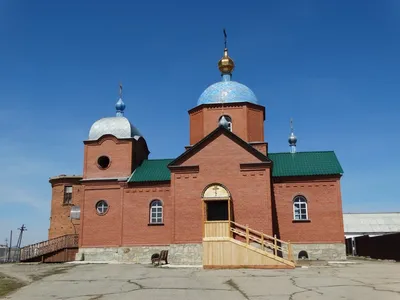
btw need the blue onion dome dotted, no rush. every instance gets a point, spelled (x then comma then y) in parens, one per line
(120, 106)
(227, 90)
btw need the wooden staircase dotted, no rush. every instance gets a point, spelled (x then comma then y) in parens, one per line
(227, 244)
(59, 249)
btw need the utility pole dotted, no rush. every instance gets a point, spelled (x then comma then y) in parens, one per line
(9, 248)
(21, 231)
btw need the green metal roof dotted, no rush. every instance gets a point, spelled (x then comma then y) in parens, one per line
(305, 164)
(284, 165)
(152, 170)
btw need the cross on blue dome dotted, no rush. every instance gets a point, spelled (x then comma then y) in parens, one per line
(118, 126)
(120, 105)
(227, 90)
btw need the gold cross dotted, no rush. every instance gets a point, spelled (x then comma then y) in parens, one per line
(216, 189)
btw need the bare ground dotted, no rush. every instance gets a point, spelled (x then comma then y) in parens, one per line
(319, 280)
(15, 276)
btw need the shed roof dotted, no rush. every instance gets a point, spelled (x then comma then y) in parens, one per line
(369, 223)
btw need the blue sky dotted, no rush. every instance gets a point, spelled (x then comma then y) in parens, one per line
(331, 65)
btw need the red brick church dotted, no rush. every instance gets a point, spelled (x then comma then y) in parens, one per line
(226, 201)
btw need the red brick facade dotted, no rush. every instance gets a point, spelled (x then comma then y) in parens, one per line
(325, 224)
(258, 200)
(125, 155)
(60, 222)
(248, 120)
(250, 189)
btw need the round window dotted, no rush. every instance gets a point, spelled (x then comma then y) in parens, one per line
(102, 207)
(103, 162)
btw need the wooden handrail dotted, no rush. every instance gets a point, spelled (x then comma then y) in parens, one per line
(259, 233)
(256, 239)
(247, 234)
(263, 239)
(58, 243)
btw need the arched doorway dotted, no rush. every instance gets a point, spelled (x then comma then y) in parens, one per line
(216, 211)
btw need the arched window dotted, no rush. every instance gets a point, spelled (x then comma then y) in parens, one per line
(229, 120)
(216, 201)
(156, 212)
(300, 211)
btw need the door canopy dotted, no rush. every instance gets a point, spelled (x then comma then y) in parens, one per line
(216, 191)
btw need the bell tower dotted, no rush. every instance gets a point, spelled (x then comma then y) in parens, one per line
(114, 148)
(230, 104)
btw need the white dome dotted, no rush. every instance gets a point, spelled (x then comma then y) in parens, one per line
(120, 127)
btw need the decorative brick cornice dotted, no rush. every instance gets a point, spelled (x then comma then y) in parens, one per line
(255, 166)
(184, 169)
(308, 179)
(233, 104)
(108, 137)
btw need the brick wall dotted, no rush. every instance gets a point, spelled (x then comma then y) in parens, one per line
(136, 215)
(127, 221)
(219, 162)
(325, 213)
(262, 147)
(101, 230)
(196, 126)
(119, 152)
(60, 223)
(255, 124)
(247, 120)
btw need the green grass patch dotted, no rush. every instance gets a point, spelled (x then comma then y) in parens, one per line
(9, 284)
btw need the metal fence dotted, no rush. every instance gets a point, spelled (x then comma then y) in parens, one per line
(9, 255)
(379, 247)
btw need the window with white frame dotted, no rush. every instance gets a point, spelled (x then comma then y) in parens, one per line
(67, 194)
(156, 212)
(102, 207)
(300, 210)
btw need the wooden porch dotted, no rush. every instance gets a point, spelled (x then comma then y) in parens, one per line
(60, 249)
(227, 244)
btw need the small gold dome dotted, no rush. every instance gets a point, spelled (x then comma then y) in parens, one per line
(226, 64)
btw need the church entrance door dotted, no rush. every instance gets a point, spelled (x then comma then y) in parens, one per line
(216, 211)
